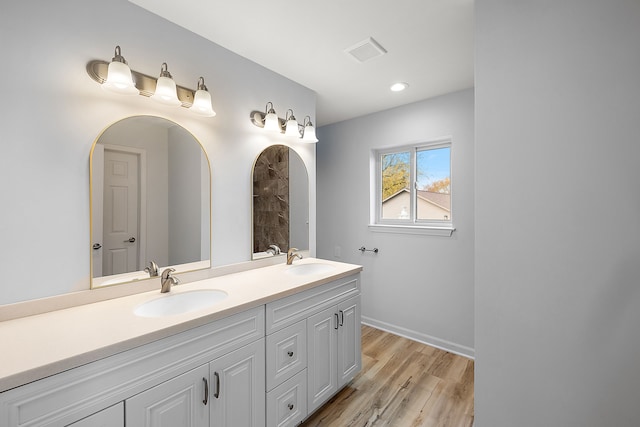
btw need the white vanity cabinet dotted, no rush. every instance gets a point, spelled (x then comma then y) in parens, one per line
(109, 417)
(270, 365)
(334, 350)
(236, 388)
(313, 349)
(168, 372)
(287, 375)
(181, 401)
(227, 392)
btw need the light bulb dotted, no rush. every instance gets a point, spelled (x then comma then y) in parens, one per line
(271, 121)
(202, 101)
(309, 134)
(166, 88)
(291, 126)
(119, 78)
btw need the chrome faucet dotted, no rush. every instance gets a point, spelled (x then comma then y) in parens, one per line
(291, 254)
(168, 280)
(274, 250)
(152, 269)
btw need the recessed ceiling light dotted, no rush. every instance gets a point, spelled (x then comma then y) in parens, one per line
(399, 87)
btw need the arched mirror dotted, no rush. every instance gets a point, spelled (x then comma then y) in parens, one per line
(150, 201)
(280, 202)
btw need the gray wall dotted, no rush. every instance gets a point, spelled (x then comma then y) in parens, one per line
(53, 111)
(184, 224)
(418, 286)
(557, 270)
(298, 212)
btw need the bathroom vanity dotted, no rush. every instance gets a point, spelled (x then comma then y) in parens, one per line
(283, 341)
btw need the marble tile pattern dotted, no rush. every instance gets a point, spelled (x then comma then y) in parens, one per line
(271, 199)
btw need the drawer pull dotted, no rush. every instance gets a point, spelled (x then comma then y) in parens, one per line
(206, 391)
(341, 318)
(290, 405)
(290, 353)
(337, 320)
(217, 393)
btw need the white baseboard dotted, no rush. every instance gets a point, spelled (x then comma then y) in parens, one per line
(420, 337)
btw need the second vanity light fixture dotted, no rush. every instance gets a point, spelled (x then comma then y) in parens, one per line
(117, 77)
(269, 120)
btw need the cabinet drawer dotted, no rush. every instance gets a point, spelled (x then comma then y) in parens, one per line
(286, 353)
(289, 310)
(287, 403)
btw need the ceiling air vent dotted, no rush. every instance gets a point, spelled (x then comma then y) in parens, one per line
(365, 50)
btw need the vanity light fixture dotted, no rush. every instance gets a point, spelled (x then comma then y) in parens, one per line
(202, 101)
(271, 120)
(123, 80)
(166, 91)
(291, 125)
(119, 77)
(309, 132)
(267, 119)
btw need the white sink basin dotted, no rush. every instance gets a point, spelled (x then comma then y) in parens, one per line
(306, 269)
(170, 304)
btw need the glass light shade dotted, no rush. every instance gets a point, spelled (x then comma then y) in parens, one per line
(202, 104)
(166, 92)
(309, 134)
(292, 128)
(271, 122)
(119, 79)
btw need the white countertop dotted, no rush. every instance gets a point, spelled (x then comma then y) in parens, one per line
(38, 346)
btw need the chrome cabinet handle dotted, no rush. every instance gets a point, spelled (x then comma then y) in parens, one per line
(130, 240)
(217, 393)
(290, 353)
(206, 391)
(96, 246)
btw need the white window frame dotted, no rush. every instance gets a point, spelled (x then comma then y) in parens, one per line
(411, 225)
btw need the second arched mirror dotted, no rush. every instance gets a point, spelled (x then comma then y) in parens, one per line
(280, 202)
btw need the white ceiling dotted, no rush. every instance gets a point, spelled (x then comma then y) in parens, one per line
(429, 45)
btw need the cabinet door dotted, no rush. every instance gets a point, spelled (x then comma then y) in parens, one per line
(113, 416)
(349, 340)
(238, 388)
(177, 402)
(322, 338)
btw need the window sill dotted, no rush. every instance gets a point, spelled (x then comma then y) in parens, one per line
(445, 231)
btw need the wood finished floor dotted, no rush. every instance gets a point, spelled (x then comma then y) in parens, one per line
(402, 384)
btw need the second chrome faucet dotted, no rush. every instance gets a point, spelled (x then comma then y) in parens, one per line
(291, 254)
(167, 280)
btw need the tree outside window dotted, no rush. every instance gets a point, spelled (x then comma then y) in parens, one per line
(415, 185)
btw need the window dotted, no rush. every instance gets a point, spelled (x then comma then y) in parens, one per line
(413, 188)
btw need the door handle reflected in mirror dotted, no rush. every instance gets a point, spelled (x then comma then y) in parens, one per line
(130, 240)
